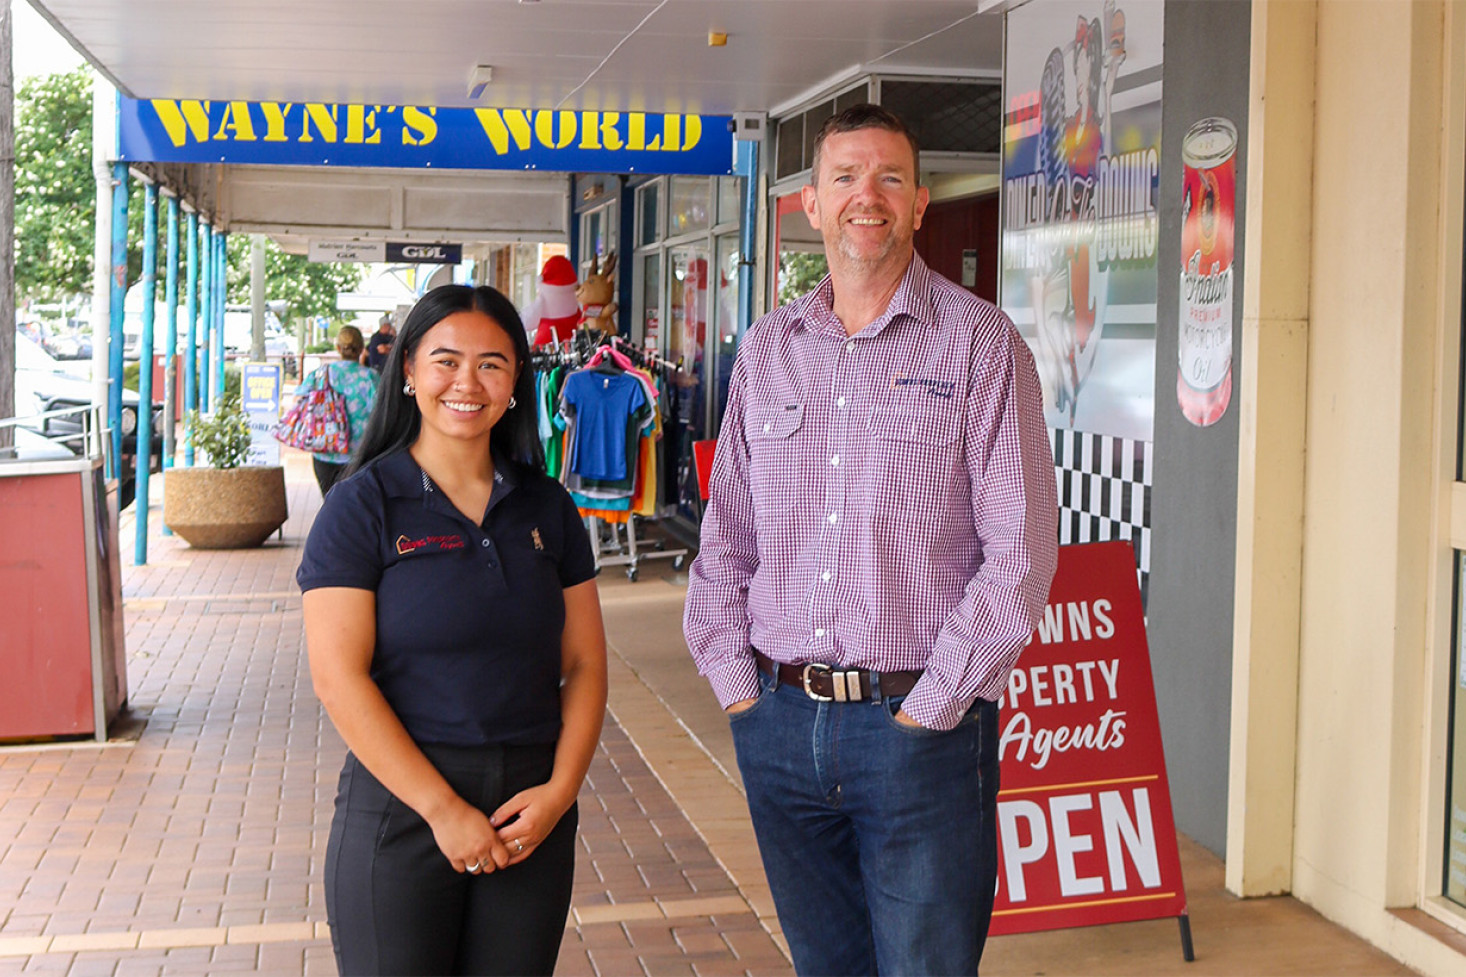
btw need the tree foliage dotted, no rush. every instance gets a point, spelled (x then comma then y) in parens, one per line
(55, 194)
(308, 288)
(800, 271)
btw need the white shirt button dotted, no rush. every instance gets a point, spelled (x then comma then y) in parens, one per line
(835, 460)
(485, 544)
(768, 428)
(840, 402)
(825, 576)
(850, 347)
(834, 517)
(819, 632)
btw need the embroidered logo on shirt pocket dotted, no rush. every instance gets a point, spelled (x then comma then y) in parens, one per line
(775, 423)
(928, 427)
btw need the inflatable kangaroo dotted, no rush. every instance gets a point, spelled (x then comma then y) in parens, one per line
(597, 295)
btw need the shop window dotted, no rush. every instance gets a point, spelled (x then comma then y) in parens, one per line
(1454, 883)
(789, 151)
(651, 300)
(728, 327)
(648, 204)
(687, 206)
(730, 199)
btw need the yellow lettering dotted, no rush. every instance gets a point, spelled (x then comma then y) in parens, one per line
(182, 118)
(500, 126)
(275, 120)
(636, 138)
(609, 133)
(236, 116)
(544, 128)
(588, 131)
(360, 119)
(424, 126)
(324, 116)
(671, 129)
(694, 132)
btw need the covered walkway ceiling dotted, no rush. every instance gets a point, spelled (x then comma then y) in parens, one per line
(627, 55)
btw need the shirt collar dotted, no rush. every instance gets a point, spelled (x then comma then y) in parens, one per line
(403, 478)
(912, 299)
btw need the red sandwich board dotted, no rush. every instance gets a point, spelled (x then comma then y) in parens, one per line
(1085, 830)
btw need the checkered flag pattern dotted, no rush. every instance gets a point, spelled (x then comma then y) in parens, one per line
(1104, 492)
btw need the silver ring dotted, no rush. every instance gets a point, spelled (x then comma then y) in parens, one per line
(518, 845)
(476, 866)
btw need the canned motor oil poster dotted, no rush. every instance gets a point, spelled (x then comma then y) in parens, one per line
(1081, 171)
(1085, 829)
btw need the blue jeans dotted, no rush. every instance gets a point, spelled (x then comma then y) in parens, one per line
(879, 840)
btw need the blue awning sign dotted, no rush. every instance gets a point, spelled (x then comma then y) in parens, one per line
(316, 134)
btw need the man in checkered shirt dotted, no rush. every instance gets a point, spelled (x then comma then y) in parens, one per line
(876, 550)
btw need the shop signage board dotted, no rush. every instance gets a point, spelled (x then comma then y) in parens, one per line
(406, 252)
(359, 251)
(260, 398)
(325, 134)
(1085, 829)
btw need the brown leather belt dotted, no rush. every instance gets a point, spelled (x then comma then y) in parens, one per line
(826, 683)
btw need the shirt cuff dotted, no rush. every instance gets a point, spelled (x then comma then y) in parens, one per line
(734, 680)
(929, 705)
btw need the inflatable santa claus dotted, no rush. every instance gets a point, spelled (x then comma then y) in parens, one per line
(555, 312)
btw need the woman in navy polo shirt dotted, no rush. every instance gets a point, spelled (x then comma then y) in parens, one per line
(456, 642)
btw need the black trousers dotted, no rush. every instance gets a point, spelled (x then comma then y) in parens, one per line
(396, 906)
(328, 473)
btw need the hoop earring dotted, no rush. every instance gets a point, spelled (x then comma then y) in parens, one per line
(512, 403)
(408, 388)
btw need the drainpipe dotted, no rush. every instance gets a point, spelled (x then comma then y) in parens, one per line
(190, 342)
(145, 372)
(118, 292)
(104, 147)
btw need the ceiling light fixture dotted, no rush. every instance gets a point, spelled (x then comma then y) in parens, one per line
(479, 77)
(717, 39)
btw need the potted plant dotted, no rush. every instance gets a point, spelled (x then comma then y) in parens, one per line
(226, 505)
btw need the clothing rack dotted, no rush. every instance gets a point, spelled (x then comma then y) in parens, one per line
(610, 545)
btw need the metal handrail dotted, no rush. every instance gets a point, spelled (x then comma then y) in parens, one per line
(92, 436)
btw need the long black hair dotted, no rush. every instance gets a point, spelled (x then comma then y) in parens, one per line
(396, 420)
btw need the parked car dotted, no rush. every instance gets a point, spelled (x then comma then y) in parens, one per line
(43, 385)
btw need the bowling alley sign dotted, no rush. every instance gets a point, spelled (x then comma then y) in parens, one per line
(1085, 828)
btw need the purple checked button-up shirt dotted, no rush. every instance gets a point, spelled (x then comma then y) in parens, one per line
(883, 501)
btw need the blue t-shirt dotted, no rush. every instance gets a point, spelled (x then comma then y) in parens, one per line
(469, 617)
(604, 404)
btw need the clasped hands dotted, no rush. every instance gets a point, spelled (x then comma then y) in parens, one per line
(475, 842)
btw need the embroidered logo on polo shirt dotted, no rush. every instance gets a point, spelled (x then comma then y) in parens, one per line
(431, 544)
(933, 388)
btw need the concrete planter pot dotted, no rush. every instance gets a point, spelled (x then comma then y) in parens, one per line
(224, 508)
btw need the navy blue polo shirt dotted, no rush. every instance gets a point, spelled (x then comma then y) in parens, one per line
(469, 617)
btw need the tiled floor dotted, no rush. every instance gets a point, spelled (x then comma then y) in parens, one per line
(195, 847)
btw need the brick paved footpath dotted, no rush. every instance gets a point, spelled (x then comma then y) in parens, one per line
(193, 843)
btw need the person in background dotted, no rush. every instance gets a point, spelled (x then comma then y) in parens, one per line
(359, 386)
(455, 640)
(380, 344)
(878, 545)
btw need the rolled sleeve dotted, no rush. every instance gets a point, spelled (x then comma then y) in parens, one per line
(344, 545)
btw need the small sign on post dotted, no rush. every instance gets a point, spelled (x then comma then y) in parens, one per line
(260, 398)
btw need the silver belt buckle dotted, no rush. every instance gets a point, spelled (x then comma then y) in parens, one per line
(818, 667)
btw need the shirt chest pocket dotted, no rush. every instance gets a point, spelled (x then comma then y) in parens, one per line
(775, 424)
(915, 427)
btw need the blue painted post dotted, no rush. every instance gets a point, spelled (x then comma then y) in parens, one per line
(145, 373)
(119, 297)
(206, 309)
(221, 297)
(190, 344)
(170, 336)
(745, 164)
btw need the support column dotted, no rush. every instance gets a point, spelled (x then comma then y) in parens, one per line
(145, 373)
(221, 299)
(190, 343)
(119, 296)
(170, 332)
(206, 311)
(1272, 441)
